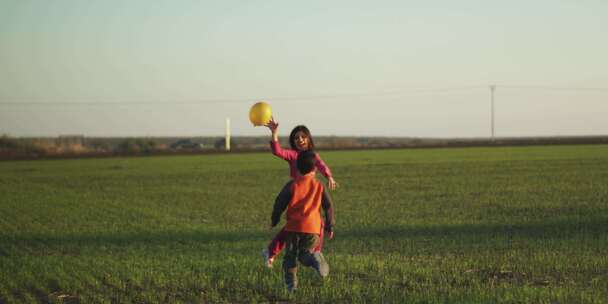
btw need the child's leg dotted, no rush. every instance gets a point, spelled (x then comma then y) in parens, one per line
(308, 257)
(277, 244)
(290, 266)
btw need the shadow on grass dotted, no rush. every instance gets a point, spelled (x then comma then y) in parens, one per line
(149, 238)
(566, 229)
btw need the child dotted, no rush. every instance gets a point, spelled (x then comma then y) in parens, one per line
(299, 140)
(303, 198)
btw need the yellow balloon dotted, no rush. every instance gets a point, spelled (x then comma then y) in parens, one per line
(260, 114)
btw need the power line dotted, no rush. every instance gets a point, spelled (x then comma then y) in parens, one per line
(119, 103)
(380, 94)
(396, 93)
(248, 100)
(551, 88)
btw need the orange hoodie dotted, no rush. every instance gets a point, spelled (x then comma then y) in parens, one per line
(302, 197)
(304, 209)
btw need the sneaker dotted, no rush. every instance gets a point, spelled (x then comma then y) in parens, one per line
(320, 265)
(267, 259)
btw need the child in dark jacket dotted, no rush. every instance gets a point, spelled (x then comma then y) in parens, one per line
(303, 199)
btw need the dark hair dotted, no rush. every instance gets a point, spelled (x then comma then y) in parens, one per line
(303, 129)
(306, 161)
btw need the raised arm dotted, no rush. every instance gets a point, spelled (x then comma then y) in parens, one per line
(274, 142)
(274, 129)
(285, 154)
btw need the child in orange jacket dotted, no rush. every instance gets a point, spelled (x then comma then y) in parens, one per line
(303, 199)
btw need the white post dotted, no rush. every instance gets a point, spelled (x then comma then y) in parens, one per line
(227, 134)
(492, 89)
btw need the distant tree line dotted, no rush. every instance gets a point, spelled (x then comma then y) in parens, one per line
(78, 145)
(14, 145)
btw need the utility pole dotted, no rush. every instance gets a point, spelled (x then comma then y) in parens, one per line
(492, 89)
(227, 134)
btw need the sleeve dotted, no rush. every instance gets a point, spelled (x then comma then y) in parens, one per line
(281, 203)
(285, 154)
(321, 166)
(327, 206)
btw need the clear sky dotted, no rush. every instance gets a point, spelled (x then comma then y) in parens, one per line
(388, 68)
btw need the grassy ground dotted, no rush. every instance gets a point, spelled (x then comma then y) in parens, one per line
(478, 225)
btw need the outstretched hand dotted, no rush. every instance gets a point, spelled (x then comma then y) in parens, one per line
(332, 184)
(272, 125)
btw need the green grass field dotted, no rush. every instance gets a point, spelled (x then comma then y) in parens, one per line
(472, 225)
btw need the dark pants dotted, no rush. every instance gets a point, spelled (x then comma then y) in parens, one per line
(280, 242)
(300, 246)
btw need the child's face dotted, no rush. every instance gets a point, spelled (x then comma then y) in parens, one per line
(302, 141)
